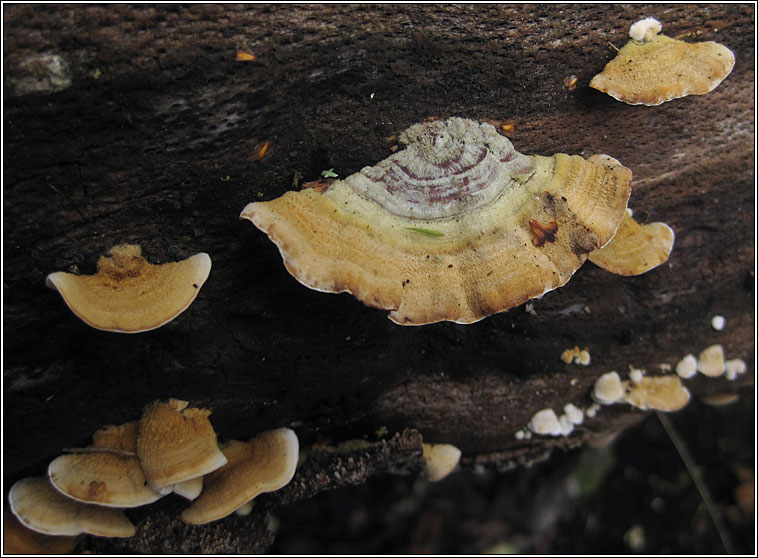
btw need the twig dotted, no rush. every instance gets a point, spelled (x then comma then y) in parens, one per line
(702, 488)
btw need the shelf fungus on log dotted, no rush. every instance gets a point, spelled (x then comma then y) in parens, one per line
(635, 249)
(457, 226)
(130, 295)
(653, 68)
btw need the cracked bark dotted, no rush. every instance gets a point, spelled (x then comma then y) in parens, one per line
(152, 143)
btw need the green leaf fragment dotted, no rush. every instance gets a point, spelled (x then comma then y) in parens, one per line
(329, 173)
(428, 232)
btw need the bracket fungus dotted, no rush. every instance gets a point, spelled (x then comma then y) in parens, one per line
(440, 460)
(18, 539)
(40, 507)
(653, 68)
(660, 393)
(264, 464)
(635, 249)
(176, 443)
(130, 295)
(457, 226)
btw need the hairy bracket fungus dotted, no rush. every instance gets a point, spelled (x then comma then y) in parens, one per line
(41, 508)
(130, 295)
(653, 68)
(176, 443)
(635, 248)
(264, 464)
(457, 226)
(440, 460)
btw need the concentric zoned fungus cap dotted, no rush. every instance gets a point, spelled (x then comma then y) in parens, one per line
(102, 477)
(458, 226)
(440, 460)
(657, 69)
(264, 464)
(659, 393)
(176, 443)
(121, 438)
(40, 507)
(18, 539)
(636, 248)
(129, 295)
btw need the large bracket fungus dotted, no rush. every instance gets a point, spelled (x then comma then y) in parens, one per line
(130, 295)
(457, 226)
(651, 69)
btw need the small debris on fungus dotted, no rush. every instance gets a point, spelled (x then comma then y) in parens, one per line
(176, 443)
(718, 323)
(130, 295)
(635, 248)
(529, 221)
(653, 68)
(660, 393)
(38, 506)
(545, 422)
(264, 464)
(645, 29)
(440, 460)
(608, 389)
(687, 367)
(710, 362)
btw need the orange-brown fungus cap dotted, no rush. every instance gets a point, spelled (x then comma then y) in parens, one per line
(41, 508)
(129, 295)
(122, 438)
(661, 69)
(659, 393)
(636, 248)
(457, 226)
(102, 477)
(18, 539)
(176, 443)
(264, 464)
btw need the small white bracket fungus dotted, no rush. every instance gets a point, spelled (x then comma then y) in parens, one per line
(574, 413)
(718, 323)
(545, 422)
(636, 374)
(687, 367)
(440, 460)
(660, 393)
(592, 410)
(645, 29)
(607, 389)
(734, 367)
(710, 361)
(567, 427)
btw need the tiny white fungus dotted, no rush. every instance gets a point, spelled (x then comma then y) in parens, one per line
(583, 357)
(519, 434)
(608, 389)
(592, 410)
(567, 427)
(574, 413)
(687, 367)
(635, 374)
(734, 367)
(645, 29)
(545, 422)
(718, 323)
(710, 361)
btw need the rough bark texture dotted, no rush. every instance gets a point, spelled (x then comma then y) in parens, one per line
(153, 141)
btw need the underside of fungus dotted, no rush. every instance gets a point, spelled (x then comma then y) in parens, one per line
(457, 226)
(130, 295)
(652, 69)
(635, 249)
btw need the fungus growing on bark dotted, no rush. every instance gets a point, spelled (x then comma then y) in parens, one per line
(440, 460)
(687, 367)
(734, 367)
(40, 507)
(635, 248)
(660, 393)
(264, 464)
(130, 295)
(508, 227)
(545, 422)
(718, 323)
(710, 361)
(608, 389)
(176, 443)
(18, 539)
(652, 69)
(103, 477)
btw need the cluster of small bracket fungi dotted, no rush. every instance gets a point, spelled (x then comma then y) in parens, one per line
(455, 227)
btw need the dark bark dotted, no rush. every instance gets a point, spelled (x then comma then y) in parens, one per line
(153, 143)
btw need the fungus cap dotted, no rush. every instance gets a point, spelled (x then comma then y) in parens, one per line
(122, 437)
(635, 249)
(660, 393)
(545, 422)
(608, 389)
(176, 443)
(660, 69)
(456, 227)
(687, 367)
(40, 507)
(645, 29)
(18, 539)
(130, 295)
(264, 464)
(101, 477)
(710, 361)
(440, 460)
